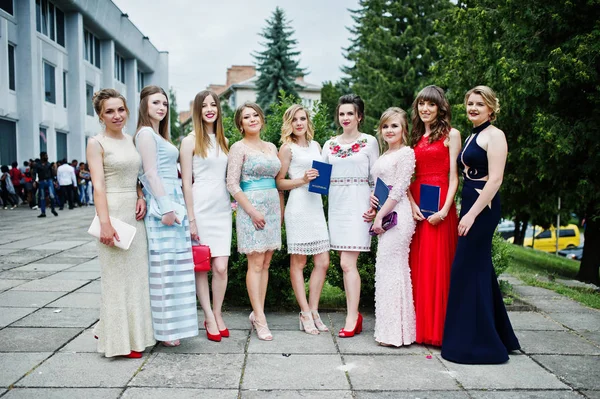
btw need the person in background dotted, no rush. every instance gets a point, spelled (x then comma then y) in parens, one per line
(17, 179)
(28, 185)
(84, 180)
(7, 190)
(65, 175)
(43, 177)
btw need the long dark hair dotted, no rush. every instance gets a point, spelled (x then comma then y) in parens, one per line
(144, 118)
(441, 126)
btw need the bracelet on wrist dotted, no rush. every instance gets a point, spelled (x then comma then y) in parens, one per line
(142, 198)
(192, 220)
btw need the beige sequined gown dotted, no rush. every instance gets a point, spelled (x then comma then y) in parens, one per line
(125, 318)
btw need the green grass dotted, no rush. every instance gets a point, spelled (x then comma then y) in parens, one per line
(535, 268)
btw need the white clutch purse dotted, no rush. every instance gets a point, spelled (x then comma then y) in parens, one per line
(125, 231)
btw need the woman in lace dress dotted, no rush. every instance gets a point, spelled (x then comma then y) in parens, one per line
(305, 223)
(352, 155)
(251, 171)
(203, 158)
(125, 326)
(394, 308)
(172, 282)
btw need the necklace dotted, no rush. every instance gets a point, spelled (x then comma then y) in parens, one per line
(260, 147)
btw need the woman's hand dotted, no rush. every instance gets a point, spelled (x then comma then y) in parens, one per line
(369, 215)
(377, 226)
(140, 209)
(108, 234)
(258, 220)
(169, 218)
(416, 212)
(436, 218)
(310, 174)
(374, 201)
(465, 224)
(194, 231)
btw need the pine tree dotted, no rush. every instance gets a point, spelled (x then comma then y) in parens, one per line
(277, 64)
(393, 47)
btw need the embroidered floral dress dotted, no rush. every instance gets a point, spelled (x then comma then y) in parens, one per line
(394, 309)
(350, 191)
(251, 171)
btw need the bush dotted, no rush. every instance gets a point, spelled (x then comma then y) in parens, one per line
(500, 253)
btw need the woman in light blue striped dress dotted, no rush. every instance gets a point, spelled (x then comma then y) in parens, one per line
(172, 280)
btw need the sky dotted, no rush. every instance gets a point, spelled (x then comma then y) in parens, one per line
(205, 38)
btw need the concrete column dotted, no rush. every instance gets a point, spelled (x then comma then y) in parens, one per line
(131, 95)
(107, 62)
(76, 104)
(28, 63)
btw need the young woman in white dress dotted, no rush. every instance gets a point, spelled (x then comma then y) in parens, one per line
(352, 155)
(203, 158)
(395, 323)
(304, 218)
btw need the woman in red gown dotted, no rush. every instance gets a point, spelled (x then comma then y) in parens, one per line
(436, 145)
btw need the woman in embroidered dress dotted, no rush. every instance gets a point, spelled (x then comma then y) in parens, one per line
(394, 309)
(125, 326)
(251, 171)
(203, 158)
(352, 155)
(172, 282)
(477, 329)
(305, 223)
(436, 145)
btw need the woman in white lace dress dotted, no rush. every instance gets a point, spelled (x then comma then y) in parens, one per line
(395, 323)
(305, 223)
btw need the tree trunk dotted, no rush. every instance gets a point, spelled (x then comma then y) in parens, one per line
(521, 222)
(590, 262)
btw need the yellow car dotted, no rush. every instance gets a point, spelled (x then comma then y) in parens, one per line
(545, 240)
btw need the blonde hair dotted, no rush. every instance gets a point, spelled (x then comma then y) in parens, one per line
(441, 126)
(143, 117)
(385, 117)
(287, 129)
(238, 115)
(101, 96)
(489, 98)
(200, 126)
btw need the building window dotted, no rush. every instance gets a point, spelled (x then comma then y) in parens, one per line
(140, 80)
(91, 51)
(7, 5)
(49, 84)
(11, 67)
(89, 93)
(61, 145)
(119, 68)
(50, 21)
(8, 142)
(43, 140)
(65, 89)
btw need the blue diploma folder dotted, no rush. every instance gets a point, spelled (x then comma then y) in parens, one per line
(320, 185)
(430, 199)
(381, 192)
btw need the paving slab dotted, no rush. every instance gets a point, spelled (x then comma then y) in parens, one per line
(44, 267)
(558, 304)
(236, 343)
(67, 275)
(59, 258)
(292, 394)
(78, 300)
(520, 372)
(525, 291)
(83, 343)
(295, 342)
(191, 371)
(91, 266)
(92, 287)
(589, 320)
(67, 317)
(310, 372)
(581, 372)
(411, 395)
(524, 394)
(592, 394)
(13, 366)
(533, 321)
(50, 285)
(61, 393)
(25, 299)
(365, 343)
(7, 251)
(373, 372)
(24, 274)
(27, 242)
(555, 342)
(593, 336)
(179, 393)
(25, 339)
(25, 256)
(6, 284)
(10, 315)
(60, 245)
(82, 370)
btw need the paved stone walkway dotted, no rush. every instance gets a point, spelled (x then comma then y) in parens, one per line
(50, 298)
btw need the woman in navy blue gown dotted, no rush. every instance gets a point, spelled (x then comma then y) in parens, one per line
(477, 328)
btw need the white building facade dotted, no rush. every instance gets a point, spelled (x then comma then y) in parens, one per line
(54, 54)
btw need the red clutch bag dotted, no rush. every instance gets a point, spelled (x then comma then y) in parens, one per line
(201, 255)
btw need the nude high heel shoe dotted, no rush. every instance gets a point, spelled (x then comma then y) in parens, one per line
(307, 324)
(318, 322)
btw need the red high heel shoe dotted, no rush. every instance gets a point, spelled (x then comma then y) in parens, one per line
(212, 337)
(134, 355)
(357, 329)
(224, 333)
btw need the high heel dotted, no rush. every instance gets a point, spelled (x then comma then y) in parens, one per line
(318, 322)
(262, 330)
(171, 344)
(307, 324)
(224, 333)
(134, 355)
(357, 329)
(212, 337)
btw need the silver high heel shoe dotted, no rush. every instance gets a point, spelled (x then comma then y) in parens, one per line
(307, 324)
(262, 330)
(318, 322)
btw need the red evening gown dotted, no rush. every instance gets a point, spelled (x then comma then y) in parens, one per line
(432, 247)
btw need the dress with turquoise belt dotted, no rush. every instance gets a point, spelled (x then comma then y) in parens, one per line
(172, 279)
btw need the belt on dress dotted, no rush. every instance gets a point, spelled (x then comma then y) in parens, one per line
(265, 183)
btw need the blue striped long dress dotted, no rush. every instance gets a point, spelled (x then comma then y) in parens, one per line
(172, 279)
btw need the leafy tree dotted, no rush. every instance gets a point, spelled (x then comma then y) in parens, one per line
(394, 44)
(277, 63)
(174, 125)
